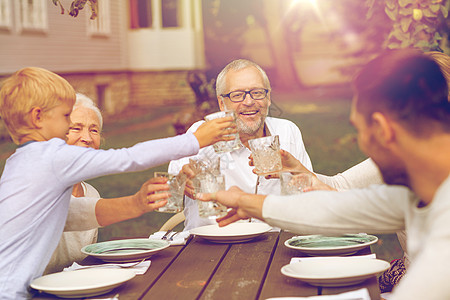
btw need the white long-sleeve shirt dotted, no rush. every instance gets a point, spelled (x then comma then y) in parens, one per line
(379, 209)
(359, 176)
(35, 190)
(234, 165)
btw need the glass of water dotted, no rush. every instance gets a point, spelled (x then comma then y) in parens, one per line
(294, 182)
(176, 184)
(266, 154)
(225, 146)
(210, 183)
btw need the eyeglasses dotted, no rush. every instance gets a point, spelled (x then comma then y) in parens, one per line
(239, 96)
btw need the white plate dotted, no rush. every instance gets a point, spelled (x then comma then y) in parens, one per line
(233, 233)
(82, 283)
(125, 250)
(335, 271)
(331, 245)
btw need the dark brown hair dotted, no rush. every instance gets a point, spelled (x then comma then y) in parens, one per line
(407, 85)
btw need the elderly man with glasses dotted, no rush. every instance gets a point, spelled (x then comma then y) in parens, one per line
(243, 86)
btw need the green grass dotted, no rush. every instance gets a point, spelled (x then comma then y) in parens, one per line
(329, 138)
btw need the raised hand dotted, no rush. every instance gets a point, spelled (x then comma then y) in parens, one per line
(289, 164)
(317, 185)
(243, 205)
(215, 131)
(145, 199)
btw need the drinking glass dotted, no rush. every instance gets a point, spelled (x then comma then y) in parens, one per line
(176, 189)
(225, 146)
(205, 164)
(295, 182)
(266, 154)
(210, 183)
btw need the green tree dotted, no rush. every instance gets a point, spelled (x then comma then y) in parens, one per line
(421, 24)
(78, 5)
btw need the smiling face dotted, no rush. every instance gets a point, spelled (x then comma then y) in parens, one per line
(250, 113)
(84, 128)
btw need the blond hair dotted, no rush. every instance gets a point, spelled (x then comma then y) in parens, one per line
(29, 88)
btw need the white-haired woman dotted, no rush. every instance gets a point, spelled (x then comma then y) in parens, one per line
(88, 211)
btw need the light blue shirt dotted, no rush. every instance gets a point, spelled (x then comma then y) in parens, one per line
(35, 190)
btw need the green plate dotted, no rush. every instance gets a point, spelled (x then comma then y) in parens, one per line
(331, 245)
(125, 250)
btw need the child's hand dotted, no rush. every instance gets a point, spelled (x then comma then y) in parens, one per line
(215, 131)
(145, 199)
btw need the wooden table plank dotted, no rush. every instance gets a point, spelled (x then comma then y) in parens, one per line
(240, 274)
(189, 273)
(276, 284)
(136, 287)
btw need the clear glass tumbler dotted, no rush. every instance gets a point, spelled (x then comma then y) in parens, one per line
(294, 182)
(176, 189)
(225, 146)
(210, 183)
(266, 154)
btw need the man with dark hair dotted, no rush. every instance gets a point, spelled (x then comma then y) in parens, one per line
(402, 114)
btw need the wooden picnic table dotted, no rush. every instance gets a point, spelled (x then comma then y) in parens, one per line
(206, 270)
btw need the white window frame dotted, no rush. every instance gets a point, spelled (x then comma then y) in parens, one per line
(5, 14)
(102, 24)
(35, 19)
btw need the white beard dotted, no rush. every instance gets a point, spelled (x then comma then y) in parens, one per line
(249, 129)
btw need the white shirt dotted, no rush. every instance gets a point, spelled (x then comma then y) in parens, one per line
(234, 165)
(379, 209)
(81, 229)
(359, 176)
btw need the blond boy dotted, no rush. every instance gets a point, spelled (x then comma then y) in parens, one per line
(37, 180)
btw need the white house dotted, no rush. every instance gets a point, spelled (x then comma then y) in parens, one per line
(135, 52)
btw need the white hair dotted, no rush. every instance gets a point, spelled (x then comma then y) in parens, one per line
(85, 101)
(237, 65)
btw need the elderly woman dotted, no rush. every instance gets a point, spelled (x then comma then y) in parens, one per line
(88, 210)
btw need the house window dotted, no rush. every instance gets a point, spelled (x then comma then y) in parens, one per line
(33, 14)
(5, 13)
(102, 24)
(171, 13)
(140, 14)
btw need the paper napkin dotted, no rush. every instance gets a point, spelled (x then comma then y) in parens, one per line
(178, 239)
(139, 269)
(298, 259)
(361, 294)
(115, 297)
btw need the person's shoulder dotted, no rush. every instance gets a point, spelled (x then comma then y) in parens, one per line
(57, 141)
(281, 124)
(280, 121)
(444, 188)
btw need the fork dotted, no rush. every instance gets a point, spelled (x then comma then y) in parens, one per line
(166, 235)
(118, 265)
(173, 235)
